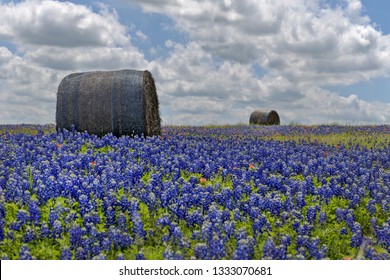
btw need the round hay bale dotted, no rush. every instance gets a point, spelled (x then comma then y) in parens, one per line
(264, 118)
(122, 102)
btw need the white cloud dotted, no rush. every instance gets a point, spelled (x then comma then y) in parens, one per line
(61, 24)
(302, 45)
(54, 39)
(141, 35)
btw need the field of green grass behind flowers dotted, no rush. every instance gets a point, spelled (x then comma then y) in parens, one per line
(211, 192)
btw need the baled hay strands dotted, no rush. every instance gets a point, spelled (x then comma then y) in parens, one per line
(121, 102)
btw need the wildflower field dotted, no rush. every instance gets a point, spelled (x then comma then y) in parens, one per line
(223, 192)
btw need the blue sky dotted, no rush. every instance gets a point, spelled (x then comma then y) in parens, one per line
(214, 61)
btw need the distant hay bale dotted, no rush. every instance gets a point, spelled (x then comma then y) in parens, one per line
(122, 102)
(264, 118)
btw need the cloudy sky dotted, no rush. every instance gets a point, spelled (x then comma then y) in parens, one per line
(214, 61)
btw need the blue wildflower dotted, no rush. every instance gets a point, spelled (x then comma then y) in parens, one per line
(357, 235)
(22, 217)
(322, 218)
(57, 229)
(269, 249)
(140, 256)
(66, 254)
(34, 212)
(29, 235)
(244, 250)
(311, 214)
(25, 253)
(45, 231)
(216, 248)
(75, 236)
(201, 251)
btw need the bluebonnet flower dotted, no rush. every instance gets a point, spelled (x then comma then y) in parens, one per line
(81, 254)
(278, 223)
(75, 236)
(110, 216)
(92, 218)
(357, 235)
(201, 251)
(134, 205)
(66, 254)
(304, 229)
(322, 218)
(244, 249)
(296, 225)
(71, 217)
(350, 219)
(164, 221)
(313, 248)
(385, 205)
(169, 254)
(285, 216)
(165, 237)
(22, 217)
(355, 201)
(269, 249)
(195, 218)
(340, 214)
(241, 233)
(15, 226)
(383, 233)
(229, 227)
(343, 231)
(216, 248)
(122, 221)
(120, 256)
(300, 200)
(369, 253)
(140, 256)
(57, 229)
(124, 203)
(371, 206)
(138, 226)
(237, 215)
(34, 212)
(125, 240)
(53, 216)
(280, 252)
(196, 235)
(311, 214)
(302, 241)
(322, 252)
(25, 253)
(177, 235)
(95, 249)
(101, 256)
(29, 235)
(207, 230)
(45, 231)
(106, 244)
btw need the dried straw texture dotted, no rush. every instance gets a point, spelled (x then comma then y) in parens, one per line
(121, 102)
(264, 118)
